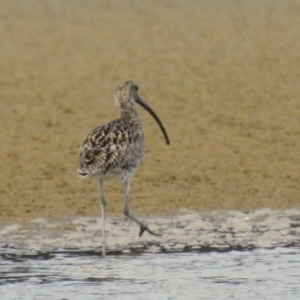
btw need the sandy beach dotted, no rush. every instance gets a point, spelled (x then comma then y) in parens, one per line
(222, 75)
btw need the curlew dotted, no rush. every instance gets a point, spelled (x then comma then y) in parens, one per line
(116, 149)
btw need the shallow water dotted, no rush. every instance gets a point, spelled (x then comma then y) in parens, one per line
(258, 274)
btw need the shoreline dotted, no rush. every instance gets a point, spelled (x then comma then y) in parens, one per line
(191, 231)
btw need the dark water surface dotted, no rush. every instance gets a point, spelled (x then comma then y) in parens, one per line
(258, 274)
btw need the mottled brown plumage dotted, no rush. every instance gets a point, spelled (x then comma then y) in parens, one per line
(109, 150)
(116, 149)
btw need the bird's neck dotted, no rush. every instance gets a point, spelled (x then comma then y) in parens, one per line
(130, 115)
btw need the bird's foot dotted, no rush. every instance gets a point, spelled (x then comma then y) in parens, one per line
(144, 228)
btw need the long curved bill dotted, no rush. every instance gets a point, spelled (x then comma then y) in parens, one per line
(142, 103)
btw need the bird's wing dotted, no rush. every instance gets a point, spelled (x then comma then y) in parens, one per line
(105, 147)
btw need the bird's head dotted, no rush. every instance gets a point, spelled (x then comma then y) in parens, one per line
(126, 95)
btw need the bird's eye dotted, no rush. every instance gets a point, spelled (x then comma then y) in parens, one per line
(136, 87)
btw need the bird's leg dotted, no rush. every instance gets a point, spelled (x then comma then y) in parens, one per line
(126, 212)
(102, 204)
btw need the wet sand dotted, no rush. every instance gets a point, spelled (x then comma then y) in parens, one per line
(189, 232)
(222, 75)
